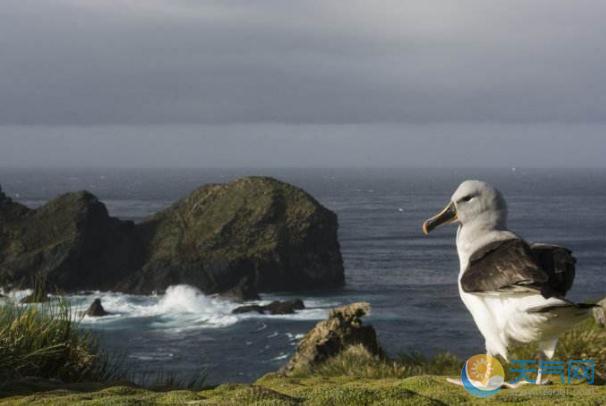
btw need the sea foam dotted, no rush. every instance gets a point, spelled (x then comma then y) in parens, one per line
(183, 307)
(180, 308)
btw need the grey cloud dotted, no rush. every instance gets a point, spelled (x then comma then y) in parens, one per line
(144, 62)
(272, 145)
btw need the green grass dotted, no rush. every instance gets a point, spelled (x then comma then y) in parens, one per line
(357, 362)
(586, 342)
(43, 345)
(166, 380)
(39, 292)
(274, 389)
(44, 341)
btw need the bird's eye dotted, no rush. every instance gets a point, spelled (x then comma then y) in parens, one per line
(467, 198)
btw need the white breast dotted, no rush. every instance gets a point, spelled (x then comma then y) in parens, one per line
(500, 318)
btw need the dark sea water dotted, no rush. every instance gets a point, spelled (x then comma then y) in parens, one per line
(409, 279)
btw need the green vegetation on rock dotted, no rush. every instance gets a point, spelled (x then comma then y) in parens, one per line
(253, 233)
(258, 229)
(71, 242)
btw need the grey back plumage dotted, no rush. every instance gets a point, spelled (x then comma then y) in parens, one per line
(559, 264)
(514, 266)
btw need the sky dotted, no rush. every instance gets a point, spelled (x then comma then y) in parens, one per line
(195, 83)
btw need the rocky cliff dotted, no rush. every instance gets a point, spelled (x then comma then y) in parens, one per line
(71, 240)
(257, 232)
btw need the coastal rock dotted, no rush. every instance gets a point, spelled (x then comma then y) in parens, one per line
(9, 209)
(33, 298)
(96, 309)
(38, 294)
(599, 313)
(286, 307)
(236, 239)
(275, 307)
(71, 242)
(342, 330)
(242, 292)
(256, 228)
(248, 309)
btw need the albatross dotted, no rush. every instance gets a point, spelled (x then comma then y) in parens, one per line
(514, 290)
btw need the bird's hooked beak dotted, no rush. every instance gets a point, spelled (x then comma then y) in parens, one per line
(447, 216)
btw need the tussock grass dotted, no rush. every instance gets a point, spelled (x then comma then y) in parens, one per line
(357, 362)
(39, 293)
(586, 342)
(44, 341)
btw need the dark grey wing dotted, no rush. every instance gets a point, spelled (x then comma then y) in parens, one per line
(503, 266)
(559, 265)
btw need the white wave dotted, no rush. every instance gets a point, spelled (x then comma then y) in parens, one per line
(294, 338)
(152, 356)
(280, 357)
(306, 314)
(180, 308)
(315, 309)
(263, 327)
(17, 295)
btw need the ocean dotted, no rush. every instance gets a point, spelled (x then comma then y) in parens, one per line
(408, 278)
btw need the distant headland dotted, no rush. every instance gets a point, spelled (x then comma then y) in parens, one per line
(255, 234)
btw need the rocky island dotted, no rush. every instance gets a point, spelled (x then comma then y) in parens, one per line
(252, 234)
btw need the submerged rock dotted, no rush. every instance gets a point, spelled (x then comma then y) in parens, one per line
(38, 294)
(342, 330)
(96, 309)
(286, 307)
(253, 234)
(275, 307)
(33, 298)
(249, 309)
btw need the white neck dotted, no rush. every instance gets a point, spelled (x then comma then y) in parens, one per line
(483, 230)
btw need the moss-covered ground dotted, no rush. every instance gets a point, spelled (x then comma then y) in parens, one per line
(278, 390)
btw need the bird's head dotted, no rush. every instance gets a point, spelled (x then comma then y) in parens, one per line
(474, 201)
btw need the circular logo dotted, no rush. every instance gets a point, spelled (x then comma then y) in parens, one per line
(482, 375)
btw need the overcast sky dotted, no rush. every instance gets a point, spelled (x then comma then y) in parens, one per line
(302, 83)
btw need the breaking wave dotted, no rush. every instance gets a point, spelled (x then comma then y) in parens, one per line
(180, 308)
